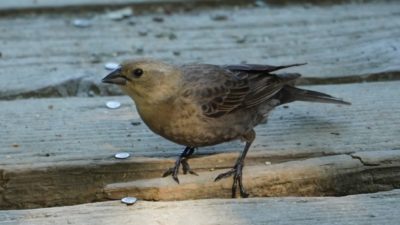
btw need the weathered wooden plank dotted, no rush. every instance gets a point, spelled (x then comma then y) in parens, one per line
(45, 55)
(7, 5)
(331, 175)
(377, 208)
(60, 151)
(72, 129)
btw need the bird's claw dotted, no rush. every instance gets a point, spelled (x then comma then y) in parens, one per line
(225, 175)
(174, 172)
(186, 168)
(185, 165)
(236, 171)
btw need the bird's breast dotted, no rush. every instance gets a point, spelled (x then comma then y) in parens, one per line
(186, 125)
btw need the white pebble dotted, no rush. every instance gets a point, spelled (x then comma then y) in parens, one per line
(268, 163)
(129, 200)
(111, 66)
(122, 155)
(113, 104)
(81, 23)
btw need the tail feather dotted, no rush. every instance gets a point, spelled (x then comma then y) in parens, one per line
(290, 94)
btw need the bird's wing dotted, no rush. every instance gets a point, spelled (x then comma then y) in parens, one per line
(223, 89)
(257, 68)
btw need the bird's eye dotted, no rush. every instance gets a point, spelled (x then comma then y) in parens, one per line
(138, 72)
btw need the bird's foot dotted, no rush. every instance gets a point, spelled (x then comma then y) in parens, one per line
(186, 168)
(172, 171)
(236, 171)
(183, 158)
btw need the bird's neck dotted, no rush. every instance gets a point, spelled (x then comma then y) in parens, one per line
(155, 115)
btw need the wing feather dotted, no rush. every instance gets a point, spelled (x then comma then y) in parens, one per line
(223, 89)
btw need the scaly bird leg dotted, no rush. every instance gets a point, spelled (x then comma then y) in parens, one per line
(182, 159)
(236, 171)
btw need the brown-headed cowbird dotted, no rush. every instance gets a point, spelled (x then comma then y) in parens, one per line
(198, 105)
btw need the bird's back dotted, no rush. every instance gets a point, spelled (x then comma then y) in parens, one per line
(222, 90)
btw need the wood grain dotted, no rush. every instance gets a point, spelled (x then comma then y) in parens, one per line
(323, 176)
(377, 208)
(340, 43)
(75, 129)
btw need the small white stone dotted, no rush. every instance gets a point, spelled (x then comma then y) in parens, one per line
(81, 23)
(113, 104)
(268, 163)
(111, 66)
(129, 200)
(122, 155)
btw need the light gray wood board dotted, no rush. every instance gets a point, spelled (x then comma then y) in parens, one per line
(45, 55)
(85, 129)
(377, 208)
(71, 146)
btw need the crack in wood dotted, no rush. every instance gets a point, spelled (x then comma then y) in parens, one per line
(361, 160)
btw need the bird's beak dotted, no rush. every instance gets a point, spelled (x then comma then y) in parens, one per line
(115, 77)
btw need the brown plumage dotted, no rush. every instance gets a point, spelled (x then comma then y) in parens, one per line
(200, 104)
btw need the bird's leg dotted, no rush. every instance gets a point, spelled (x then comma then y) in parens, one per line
(182, 159)
(185, 165)
(236, 171)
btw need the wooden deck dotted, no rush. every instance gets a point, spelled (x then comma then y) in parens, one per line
(58, 139)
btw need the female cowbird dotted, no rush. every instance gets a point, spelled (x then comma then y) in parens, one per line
(198, 105)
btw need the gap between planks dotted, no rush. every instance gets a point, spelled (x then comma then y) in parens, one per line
(323, 176)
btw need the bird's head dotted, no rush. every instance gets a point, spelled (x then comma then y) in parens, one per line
(146, 80)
